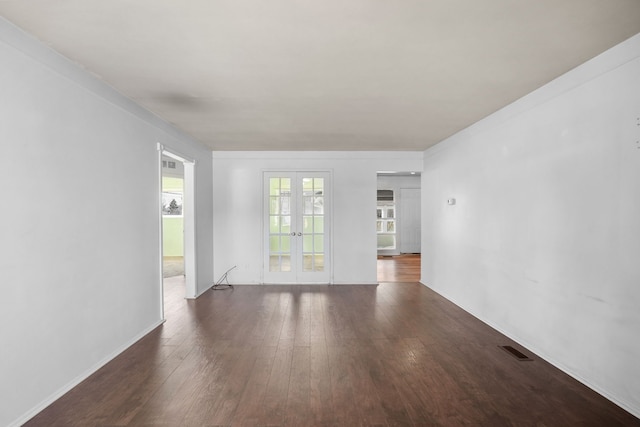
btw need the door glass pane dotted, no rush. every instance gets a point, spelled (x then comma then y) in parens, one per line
(308, 205)
(318, 224)
(318, 262)
(285, 185)
(307, 243)
(307, 262)
(274, 224)
(285, 263)
(286, 224)
(307, 225)
(274, 186)
(274, 205)
(318, 243)
(307, 186)
(318, 191)
(274, 244)
(285, 205)
(274, 263)
(318, 205)
(285, 244)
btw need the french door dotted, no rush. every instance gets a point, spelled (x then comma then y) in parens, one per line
(297, 227)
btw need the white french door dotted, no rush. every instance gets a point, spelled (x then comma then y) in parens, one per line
(297, 227)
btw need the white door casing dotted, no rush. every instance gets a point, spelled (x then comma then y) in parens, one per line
(409, 220)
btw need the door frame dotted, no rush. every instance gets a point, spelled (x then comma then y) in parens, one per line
(329, 210)
(189, 218)
(402, 218)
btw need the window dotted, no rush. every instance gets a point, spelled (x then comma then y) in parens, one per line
(386, 220)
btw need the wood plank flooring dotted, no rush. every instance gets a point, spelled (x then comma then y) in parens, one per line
(399, 268)
(396, 354)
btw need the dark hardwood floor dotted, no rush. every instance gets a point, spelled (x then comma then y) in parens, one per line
(389, 355)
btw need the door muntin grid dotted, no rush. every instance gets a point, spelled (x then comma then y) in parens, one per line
(297, 224)
(280, 200)
(313, 224)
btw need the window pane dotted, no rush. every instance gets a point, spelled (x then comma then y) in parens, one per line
(386, 241)
(318, 186)
(391, 226)
(318, 224)
(318, 264)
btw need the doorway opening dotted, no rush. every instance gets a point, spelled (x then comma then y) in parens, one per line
(177, 231)
(172, 218)
(398, 226)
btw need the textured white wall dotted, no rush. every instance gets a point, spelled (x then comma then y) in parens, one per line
(238, 206)
(80, 223)
(544, 240)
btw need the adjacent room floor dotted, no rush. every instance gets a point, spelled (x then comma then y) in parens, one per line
(391, 354)
(172, 266)
(399, 268)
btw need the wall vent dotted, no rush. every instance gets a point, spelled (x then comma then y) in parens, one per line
(515, 353)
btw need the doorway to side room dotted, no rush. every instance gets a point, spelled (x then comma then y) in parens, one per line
(177, 229)
(172, 218)
(398, 226)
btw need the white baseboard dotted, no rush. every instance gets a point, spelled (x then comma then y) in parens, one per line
(77, 380)
(202, 291)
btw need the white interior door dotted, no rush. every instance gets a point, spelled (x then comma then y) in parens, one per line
(297, 227)
(409, 220)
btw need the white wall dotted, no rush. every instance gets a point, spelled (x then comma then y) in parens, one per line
(238, 206)
(80, 223)
(544, 241)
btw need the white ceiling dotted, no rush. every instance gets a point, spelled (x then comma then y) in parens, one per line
(326, 74)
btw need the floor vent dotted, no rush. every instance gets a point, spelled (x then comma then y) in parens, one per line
(515, 353)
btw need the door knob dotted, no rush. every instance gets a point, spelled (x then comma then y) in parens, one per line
(299, 234)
